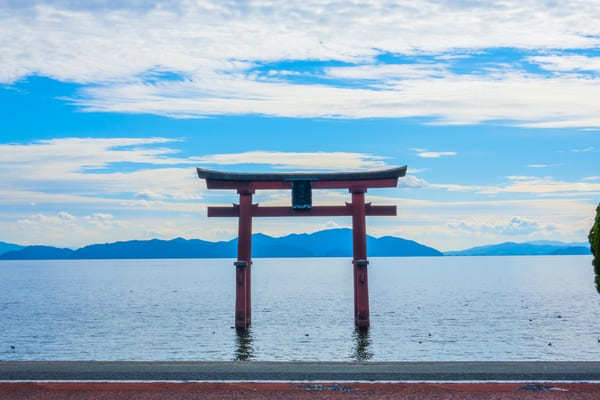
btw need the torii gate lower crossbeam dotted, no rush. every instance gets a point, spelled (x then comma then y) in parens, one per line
(301, 185)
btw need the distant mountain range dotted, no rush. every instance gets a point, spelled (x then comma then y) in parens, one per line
(328, 243)
(6, 247)
(540, 247)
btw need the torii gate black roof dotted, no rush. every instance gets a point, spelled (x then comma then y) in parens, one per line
(301, 176)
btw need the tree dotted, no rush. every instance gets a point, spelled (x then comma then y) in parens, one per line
(594, 238)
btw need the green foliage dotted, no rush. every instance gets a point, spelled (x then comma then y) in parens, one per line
(594, 238)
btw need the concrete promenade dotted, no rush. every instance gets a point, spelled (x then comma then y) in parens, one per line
(72, 380)
(297, 371)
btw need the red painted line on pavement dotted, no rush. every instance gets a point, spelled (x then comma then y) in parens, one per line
(249, 390)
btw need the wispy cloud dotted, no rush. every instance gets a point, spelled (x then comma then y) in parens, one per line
(82, 171)
(546, 185)
(192, 59)
(296, 160)
(74, 230)
(527, 184)
(526, 100)
(388, 72)
(543, 165)
(568, 63)
(512, 227)
(437, 223)
(451, 225)
(584, 150)
(538, 166)
(212, 35)
(160, 195)
(81, 166)
(411, 181)
(63, 226)
(433, 154)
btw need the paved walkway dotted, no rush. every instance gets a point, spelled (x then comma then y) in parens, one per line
(68, 380)
(299, 371)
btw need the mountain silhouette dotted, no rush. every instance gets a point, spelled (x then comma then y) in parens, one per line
(6, 247)
(523, 249)
(327, 243)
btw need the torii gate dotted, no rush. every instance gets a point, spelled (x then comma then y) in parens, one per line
(301, 185)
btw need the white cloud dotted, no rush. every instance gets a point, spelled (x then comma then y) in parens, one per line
(568, 63)
(532, 185)
(451, 225)
(80, 166)
(65, 228)
(584, 150)
(124, 51)
(387, 72)
(159, 195)
(72, 169)
(535, 101)
(543, 165)
(453, 187)
(433, 154)
(431, 222)
(66, 192)
(87, 43)
(74, 154)
(547, 185)
(511, 227)
(411, 181)
(296, 160)
(79, 230)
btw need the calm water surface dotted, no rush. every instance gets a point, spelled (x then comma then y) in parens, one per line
(447, 308)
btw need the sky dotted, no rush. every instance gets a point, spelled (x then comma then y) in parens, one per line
(107, 107)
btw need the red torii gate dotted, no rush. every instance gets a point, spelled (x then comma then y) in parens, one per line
(301, 185)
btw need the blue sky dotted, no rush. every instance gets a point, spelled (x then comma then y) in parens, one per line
(108, 107)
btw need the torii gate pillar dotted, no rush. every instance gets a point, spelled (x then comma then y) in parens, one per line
(359, 242)
(243, 288)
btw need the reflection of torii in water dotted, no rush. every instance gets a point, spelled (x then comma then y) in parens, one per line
(301, 185)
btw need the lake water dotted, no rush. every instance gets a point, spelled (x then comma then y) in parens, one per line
(446, 308)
